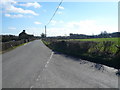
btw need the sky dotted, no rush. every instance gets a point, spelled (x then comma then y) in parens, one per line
(72, 17)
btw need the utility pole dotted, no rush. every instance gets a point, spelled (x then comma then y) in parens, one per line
(45, 31)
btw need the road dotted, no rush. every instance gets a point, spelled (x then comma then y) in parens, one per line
(34, 65)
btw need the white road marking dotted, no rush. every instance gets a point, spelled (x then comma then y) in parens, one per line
(49, 60)
(43, 68)
(45, 65)
(31, 87)
(37, 79)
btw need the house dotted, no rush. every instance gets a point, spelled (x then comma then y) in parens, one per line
(24, 35)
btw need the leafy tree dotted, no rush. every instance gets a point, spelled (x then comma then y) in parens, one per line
(43, 35)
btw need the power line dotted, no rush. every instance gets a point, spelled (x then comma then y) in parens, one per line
(54, 12)
(52, 17)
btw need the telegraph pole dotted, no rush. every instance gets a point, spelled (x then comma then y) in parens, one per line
(45, 32)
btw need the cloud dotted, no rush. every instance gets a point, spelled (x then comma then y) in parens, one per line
(37, 22)
(61, 21)
(59, 12)
(13, 9)
(60, 7)
(9, 7)
(12, 28)
(55, 31)
(7, 15)
(7, 1)
(14, 16)
(84, 27)
(35, 30)
(88, 27)
(53, 22)
(35, 5)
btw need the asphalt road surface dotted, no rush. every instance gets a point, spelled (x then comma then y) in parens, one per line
(33, 65)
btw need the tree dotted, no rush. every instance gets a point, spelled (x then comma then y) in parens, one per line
(104, 34)
(43, 35)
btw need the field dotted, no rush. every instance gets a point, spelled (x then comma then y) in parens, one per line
(115, 40)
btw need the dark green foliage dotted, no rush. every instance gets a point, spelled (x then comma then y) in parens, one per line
(106, 47)
(43, 35)
(102, 35)
(11, 44)
(6, 38)
(10, 41)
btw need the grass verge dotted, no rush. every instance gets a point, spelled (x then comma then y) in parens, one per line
(104, 52)
(11, 48)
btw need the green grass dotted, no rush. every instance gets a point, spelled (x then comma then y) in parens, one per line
(115, 40)
(46, 43)
(113, 48)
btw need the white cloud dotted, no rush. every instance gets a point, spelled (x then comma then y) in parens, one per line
(13, 9)
(9, 7)
(60, 7)
(59, 12)
(53, 22)
(14, 16)
(37, 22)
(7, 1)
(56, 22)
(35, 30)
(54, 31)
(61, 21)
(7, 15)
(35, 5)
(12, 28)
(84, 27)
(88, 27)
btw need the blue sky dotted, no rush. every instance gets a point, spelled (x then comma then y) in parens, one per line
(72, 17)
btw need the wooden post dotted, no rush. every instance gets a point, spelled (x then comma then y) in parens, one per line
(45, 32)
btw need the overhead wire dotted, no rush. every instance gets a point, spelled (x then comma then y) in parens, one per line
(54, 13)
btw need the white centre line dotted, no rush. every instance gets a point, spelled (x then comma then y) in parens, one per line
(49, 60)
(46, 65)
(31, 87)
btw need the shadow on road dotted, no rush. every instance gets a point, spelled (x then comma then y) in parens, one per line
(67, 56)
(96, 66)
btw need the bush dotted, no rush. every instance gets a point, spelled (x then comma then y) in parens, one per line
(11, 44)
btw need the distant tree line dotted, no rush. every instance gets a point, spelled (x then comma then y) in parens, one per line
(102, 35)
(83, 36)
(6, 38)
